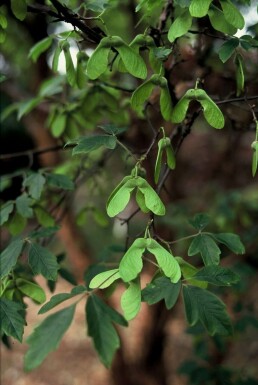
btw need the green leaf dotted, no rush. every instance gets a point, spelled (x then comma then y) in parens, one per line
(120, 199)
(232, 14)
(58, 124)
(205, 245)
(123, 181)
(5, 212)
(171, 158)
(100, 318)
(165, 103)
(27, 106)
(3, 21)
(81, 77)
(217, 275)
(104, 279)
(61, 297)
(131, 300)
(42, 261)
(240, 77)
(180, 109)
(56, 57)
(133, 62)
(203, 306)
(161, 146)
(180, 26)
(47, 336)
(16, 224)
(19, 9)
(9, 256)
(232, 241)
(152, 200)
(12, 318)
(44, 233)
(162, 288)
(199, 9)
(43, 217)
(166, 261)
(227, 49)
(35, 183)
(255, 159)
(219, 22)
(91, 143)
(23, 205)
(188, 271)
(70, 71)
(141, 94)
(59, 181)
(97, 5)
(31, 289)
(211, 111)
(141, 202)
(200, 221)
(131, 263)
(98, 61)
(39, 48)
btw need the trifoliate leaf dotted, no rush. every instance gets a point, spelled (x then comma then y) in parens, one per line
(100, 318)
(159, 289)
(205, 245)
(131, 300)
(203, 306)
(200, 221)
(47, 337)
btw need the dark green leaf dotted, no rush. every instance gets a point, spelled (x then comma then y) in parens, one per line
(44, 233)
(23, 205)
(217, 275)
(42, 261)
(16, 224)
(200, 221)
(59, 181)
(227, 49)
(91, 143)
(19, 9)
(162, 288)
(165, 103)
(205, 245)
(232, 241)
(39, 48)
(47, 336)
(6, 210)
(35, 183)
(12, 318)
(31, 289)
(61, 297)
(9, 256)
(100, 318)
(201, 305)
(70, 71)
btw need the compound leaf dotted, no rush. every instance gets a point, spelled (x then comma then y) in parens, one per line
(47, 336)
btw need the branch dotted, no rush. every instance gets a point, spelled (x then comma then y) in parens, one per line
(36, 151)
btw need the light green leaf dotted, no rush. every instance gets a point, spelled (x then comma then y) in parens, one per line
(161, 146)
(5, 212)
(39, 48)
(131, 263)
(227, 49)
(70, 71)
(180, 109)
(165, 103)
(141, 94)
(152, 200)
(59, 181)
(141, 202)
(12, 318)
(23, 205)
(56, 57)
(43, 217)
(232, 14)
(211, 111)
(27, 106)
(131, 300)
(104, 279)
(42, 261)
(58, 124)
(232, 241)
(123, 181)
(133, 62)
(9, 256)
(203, 306)
(3, 21)
(47, 337)
(171, 158)
(240, 77)
(166, 261)
(180, 26)
(100, 318)
(35, 183)
(91, 143)
(19, 9)
(98, 61)
(120, 199)
(205, 245)
(199, 8)
(159, 289)
(255, 159)
(219, 22)
(31, 289)
(217, 275)
(61, 297)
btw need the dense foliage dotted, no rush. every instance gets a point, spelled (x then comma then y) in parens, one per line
(120, 113)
